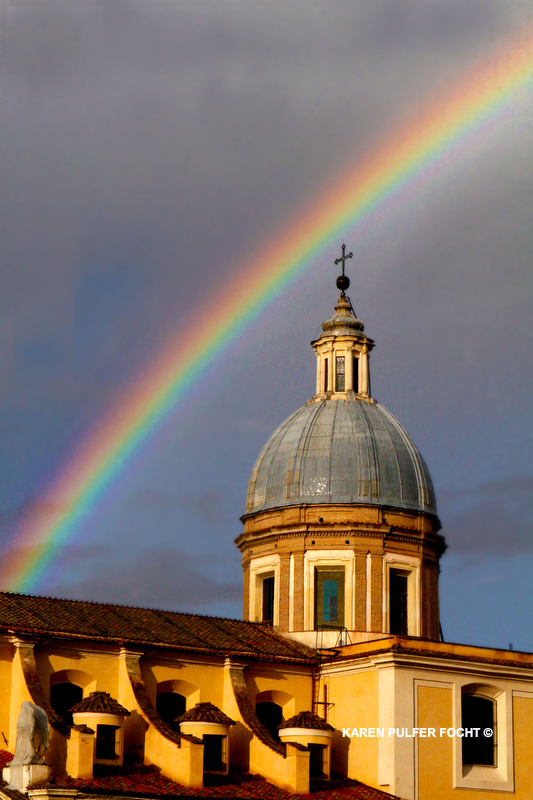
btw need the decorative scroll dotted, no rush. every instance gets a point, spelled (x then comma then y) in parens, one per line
(248, 712)
(133, 667)
(33, 682)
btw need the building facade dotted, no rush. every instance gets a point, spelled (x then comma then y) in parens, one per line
(338, 667)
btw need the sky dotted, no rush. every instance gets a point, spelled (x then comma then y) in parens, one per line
(149, 149)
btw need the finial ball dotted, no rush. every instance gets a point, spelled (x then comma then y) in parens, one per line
(343, 282)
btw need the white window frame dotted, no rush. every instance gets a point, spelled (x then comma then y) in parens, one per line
(329, 559)
(412, 567)
(479, 776)
(263, 567)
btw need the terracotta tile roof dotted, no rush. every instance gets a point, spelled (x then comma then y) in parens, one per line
(144, 781)
(148, 626)
(99, 702)
(305, 719)
(206, 712)
(5, 758)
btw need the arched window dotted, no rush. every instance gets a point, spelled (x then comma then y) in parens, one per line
(63, 696)
(478, 714)
(270, 715)
(169, 706)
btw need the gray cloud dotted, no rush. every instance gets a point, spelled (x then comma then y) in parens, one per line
(209, 506)
(493, 520)
(148, 148)
(161, 578)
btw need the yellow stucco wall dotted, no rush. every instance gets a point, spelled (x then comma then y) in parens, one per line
(523, 745)
(93, 671)
(354, 700)
(6, 657)
(102, 667)
(435, 755)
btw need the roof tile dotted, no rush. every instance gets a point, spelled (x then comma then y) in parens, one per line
(205, 712)
(147, 626)
(305, 719)
(99, 702)
(146, 781)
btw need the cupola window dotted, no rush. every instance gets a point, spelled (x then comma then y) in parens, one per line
(318, 761)
(214, 753)
(340, 377)
(329, 597)
(325, 375)
(268, 599)
(355, 373)
(398, 612)
(106, 738)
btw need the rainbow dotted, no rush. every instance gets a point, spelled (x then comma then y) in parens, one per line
(413, 154)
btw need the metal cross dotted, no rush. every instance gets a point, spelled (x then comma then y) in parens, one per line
(343, 258)
(343, 280)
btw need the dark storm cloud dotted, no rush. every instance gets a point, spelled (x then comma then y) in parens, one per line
(148, 147)
(161, 578)
(494, 520)
(209, 506)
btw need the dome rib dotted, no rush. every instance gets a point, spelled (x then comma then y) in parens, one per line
(393, 450)
(419, 465)
(340, 451)
(372, 457)
(303, 451)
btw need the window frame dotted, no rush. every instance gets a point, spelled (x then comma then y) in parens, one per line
(340, 372)
(99, 740)
(341, 603)
(411, 569)
(497, 777)
(329, 559)
(260, 568)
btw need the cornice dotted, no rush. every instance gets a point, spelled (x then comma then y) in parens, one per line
(420, 539)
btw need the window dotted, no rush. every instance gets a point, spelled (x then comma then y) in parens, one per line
(270, 715)
(339, 374)
(329, 597)
(63, 696)
(325, 375)
(169, 706)
(268, 599)
(478, 712)
(106, 736)
(398, 607)
(213, 753)
(317, 761)
(355, 374)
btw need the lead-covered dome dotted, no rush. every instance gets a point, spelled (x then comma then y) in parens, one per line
(340, 451)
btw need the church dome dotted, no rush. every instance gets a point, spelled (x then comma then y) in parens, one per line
(344, 450)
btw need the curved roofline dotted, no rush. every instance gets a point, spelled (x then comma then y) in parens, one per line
(350, 453)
